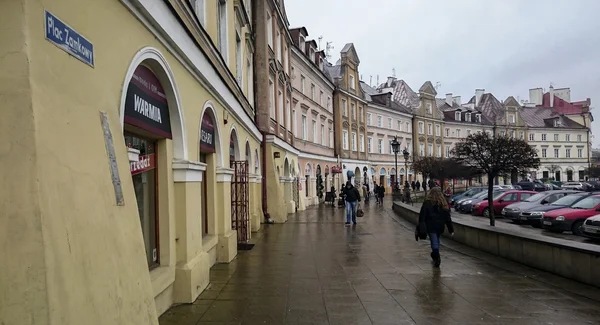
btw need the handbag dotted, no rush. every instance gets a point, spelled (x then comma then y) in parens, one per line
(420, 232)
(359, 212)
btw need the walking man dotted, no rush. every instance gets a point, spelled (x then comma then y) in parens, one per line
(352, 199)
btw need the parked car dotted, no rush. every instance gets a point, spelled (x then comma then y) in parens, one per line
(469, 193)
(467, 205)
(572, 218)
(580, 186)
(501, 200)
(532, 186)
(513, 211)
(591, 227)
(536, 214)
(462, 204)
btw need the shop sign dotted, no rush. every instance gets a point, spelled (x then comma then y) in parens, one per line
(70, 41)
(146, 103)
(336, 170)
(207, 135)
(146, 163)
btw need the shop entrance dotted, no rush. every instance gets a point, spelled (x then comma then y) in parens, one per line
(240, 215)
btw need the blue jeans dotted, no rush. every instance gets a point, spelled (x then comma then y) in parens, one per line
(351, 211)
(434, 239)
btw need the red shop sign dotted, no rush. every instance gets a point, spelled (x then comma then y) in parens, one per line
(145, 163)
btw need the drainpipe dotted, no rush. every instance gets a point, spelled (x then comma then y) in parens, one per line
(266, 214)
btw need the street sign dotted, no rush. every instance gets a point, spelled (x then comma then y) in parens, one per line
(66, 38)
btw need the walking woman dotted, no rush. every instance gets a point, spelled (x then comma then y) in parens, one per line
(433, 218)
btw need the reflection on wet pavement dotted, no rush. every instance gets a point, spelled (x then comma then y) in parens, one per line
(315, 270)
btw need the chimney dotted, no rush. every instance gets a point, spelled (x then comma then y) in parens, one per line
(390, 80)
(457, 100)
(478, 95)
(449, 99)
(551, 96)
(535, 96)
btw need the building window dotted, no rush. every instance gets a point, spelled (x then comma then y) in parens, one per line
(352, 82)
(567, 137)
(144, 185)
(543, 137)
(328, 103)
(522, 135)
(304, 130)
(512, 134)
(468, 117)
(368, 119)
(353, 141)
(421, 149)
(579, 153)
(447, 151)
(544, 153)
(457, 116)
(288, 118)
(468, 132)
(399, 125)
(360, 114)
(302, 88)
(447, 132)
(439, 150)
(369, 144)
(314, 131)
(429, 129)
(502, 133)
(361, 144)
(379, 121)
(344, 107)
(458, 133)
(556, 137)
(271, 99)
(437, 130)
(430, 150)
(389, 123)
(345, 139)
(421, 128)
(222, 27)
(285, 59)
(478, 117)
(408, 129)
(321, 98)
(380, 146)
(568, 153)
(511, 119)
(555, 153)
(278, 46)
(428, 108)
(295, 125)
(531, 136)
(579, 138)
(200, 9)
(280, 107)
(353, 111)
(269, 30)
(323, 134)
(312, 92)
(330, 137)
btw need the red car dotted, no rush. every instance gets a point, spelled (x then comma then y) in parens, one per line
(572, 218)
(501, 200)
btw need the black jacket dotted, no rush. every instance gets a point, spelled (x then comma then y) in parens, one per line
(352, 194)
(434, 219)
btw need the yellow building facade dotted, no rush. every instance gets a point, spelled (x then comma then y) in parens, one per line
(131, 160)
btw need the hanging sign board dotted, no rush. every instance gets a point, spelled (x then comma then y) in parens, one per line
(207, 135)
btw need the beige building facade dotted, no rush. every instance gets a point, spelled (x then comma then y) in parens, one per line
(156, 135)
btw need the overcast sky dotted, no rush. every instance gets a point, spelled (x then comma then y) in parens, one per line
(504, 46)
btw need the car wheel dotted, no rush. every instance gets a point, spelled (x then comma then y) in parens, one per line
(486, 212)
(577, 228)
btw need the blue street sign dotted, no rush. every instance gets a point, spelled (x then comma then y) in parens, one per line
(65, 37)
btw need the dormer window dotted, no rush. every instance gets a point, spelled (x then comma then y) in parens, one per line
(478, 117)
(511, 118)
(321, 63)
(468, 117)
(311, 54)
(428, 108)
(352, 83)
(457, 116)
(556, 123)
(301, 44)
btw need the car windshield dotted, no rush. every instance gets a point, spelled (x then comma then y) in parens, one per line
(567, 200)
(536, 197)
(587, 203)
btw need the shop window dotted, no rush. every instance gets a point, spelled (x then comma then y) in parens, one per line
(145, 186)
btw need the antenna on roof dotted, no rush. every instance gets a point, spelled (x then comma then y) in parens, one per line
(394, 72)
(320, 39)
(361, 77)
(437, 85)
(328, 48)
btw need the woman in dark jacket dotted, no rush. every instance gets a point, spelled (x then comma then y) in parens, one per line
(433, 218)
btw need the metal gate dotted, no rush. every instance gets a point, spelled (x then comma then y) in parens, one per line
(240, 215)
(295, 192)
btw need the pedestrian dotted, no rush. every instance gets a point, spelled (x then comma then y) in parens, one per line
(376, 193)
(352, 199)
(418, 185)
(424, 185)
(365, 192)
(433, 218)
(412, 184)
(381, 194)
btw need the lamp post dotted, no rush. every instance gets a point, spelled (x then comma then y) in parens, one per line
(396, 148)
(406, 155)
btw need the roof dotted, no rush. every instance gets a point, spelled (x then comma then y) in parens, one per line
(562, 106)
(544, 117)
(371, 92)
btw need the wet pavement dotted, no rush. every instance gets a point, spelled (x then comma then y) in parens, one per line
(315, 270)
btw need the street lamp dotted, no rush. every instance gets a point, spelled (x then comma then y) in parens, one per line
(396, 148)
(406, 155)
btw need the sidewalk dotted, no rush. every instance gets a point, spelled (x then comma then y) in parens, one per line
(315, 270)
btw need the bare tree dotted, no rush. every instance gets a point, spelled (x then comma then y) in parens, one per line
(495, 156)
(444, 168)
